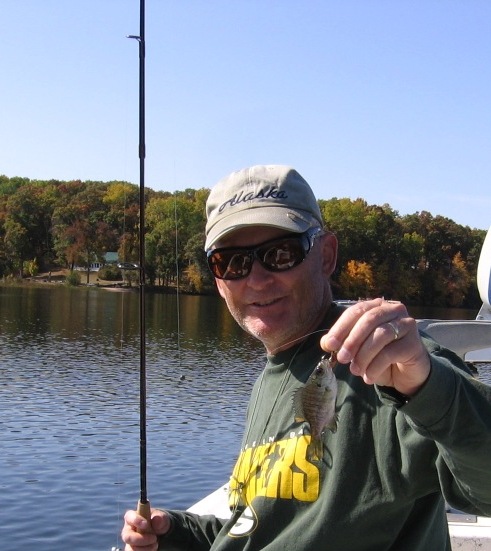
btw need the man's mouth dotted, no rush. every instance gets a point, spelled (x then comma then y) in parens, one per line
(264, 303)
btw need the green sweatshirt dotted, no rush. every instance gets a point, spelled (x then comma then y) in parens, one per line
(384, 474)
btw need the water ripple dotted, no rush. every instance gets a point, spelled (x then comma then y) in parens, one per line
(69, 410)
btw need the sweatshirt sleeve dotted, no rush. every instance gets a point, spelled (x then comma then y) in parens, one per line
(454, 410)
(190, 532)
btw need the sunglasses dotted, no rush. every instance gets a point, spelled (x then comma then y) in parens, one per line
(275, 255)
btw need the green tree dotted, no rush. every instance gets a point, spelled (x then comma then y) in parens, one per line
(174, 221)
(27, 223)
(122, 202)
(366, 233)
(442, 240)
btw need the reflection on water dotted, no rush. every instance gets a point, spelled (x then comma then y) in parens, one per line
(69, 409)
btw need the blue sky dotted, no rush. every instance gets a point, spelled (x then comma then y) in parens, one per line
(388, 100)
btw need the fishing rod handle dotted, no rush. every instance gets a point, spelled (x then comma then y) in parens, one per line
(143, 509)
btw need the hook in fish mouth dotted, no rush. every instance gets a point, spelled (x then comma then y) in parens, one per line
(331, 358)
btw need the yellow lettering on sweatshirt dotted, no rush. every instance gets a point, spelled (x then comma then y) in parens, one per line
(275, 470)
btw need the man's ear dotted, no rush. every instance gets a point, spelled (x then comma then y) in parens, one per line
(329, 245)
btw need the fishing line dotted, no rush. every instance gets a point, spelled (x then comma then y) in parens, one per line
(118, 463)
(177, 287)
(299, 339)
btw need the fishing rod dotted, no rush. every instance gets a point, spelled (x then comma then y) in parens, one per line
(143, 506)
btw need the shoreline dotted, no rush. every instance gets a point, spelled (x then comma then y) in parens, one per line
(58, 277)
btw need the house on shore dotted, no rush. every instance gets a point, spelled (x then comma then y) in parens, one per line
(109, 258)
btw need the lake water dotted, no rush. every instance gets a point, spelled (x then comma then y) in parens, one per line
(69, 405)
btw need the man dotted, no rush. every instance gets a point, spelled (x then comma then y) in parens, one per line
(413, 427)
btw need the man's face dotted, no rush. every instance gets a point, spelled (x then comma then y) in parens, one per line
(280, 307)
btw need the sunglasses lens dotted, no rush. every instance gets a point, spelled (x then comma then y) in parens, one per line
(230, 264)
(282, 256)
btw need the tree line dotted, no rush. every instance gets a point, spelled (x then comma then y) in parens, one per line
(419, 258)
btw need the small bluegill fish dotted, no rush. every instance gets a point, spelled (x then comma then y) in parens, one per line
(316, 403)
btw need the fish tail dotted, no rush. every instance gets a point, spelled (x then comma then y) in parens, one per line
(315, 449)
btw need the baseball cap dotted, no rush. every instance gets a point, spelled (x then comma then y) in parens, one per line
(262, 195)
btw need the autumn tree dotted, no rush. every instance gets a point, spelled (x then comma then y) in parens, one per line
(357, 280)
(81, 232)
(458, 282)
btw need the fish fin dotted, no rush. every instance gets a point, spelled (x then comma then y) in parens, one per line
(315, 449)
(333, 425)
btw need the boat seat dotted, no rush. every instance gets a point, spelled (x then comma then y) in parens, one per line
(461, 336)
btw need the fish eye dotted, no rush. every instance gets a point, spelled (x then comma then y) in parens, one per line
(319, 370)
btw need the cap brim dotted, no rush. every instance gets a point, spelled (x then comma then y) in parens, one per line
(286, 219)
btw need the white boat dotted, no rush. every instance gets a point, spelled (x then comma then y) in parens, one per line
(471, 340)
(467, 532)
